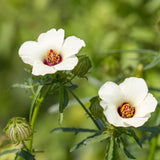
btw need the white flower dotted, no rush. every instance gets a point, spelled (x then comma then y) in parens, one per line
(51, 52)
(127, 104)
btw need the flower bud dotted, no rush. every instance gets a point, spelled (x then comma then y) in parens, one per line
(83, 66)
(18, 130)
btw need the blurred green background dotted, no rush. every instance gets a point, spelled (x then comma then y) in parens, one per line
(103, 25)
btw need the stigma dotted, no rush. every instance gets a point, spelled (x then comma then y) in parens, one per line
(126, 110)
(52, 58)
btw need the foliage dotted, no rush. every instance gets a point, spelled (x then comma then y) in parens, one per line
(120, 41)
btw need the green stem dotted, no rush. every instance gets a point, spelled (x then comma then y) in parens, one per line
(33, 101)
(33, 121)
(86, 110)
(153, 148)
(154, 141)
(36, 111)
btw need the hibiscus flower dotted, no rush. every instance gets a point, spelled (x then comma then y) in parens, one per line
(51, 53)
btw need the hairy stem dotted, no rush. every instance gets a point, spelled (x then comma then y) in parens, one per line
(86, 110)
(38, 100)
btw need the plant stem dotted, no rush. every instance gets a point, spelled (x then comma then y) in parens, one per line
(33, 101)
(86, 110)
(153, 148)
(154, 141)
(36, 111)
(33, 121)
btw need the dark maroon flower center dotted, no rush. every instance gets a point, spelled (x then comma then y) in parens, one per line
(126, 110)
(52, 58)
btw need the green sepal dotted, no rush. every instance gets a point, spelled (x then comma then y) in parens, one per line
(95, 108)
(83, 66)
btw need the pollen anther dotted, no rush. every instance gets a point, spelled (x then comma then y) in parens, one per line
(52, 58)
(126, 110)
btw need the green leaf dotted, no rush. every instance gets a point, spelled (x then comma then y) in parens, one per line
(73, 86)
(26, 155)
(82, 143)
(110, 151)
(90, 140)
(127, 153)
(133, 134)
(75, 130)
(63, 101)
(154, 89)
(24, 86)
(150, 129)
(152, 64)
(97, 138)
(9, 151)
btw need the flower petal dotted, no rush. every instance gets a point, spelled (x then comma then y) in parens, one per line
(136, 122)
(111, 94)
(71, 46)
(148, 105)
(134, 90)
(52, 39)
(113, 117)
(67, 64)
(30, 51)
(39, 68)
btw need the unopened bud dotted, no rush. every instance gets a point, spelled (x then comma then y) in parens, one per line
(18, 130)
(83, 66)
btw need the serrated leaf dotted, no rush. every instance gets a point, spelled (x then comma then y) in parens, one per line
(133, 134)
(26, 155)
(127, 153)
(81, 144)
(75, 130)
(97, 138)
(9, 151)
(152, 64)
(110, 151)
